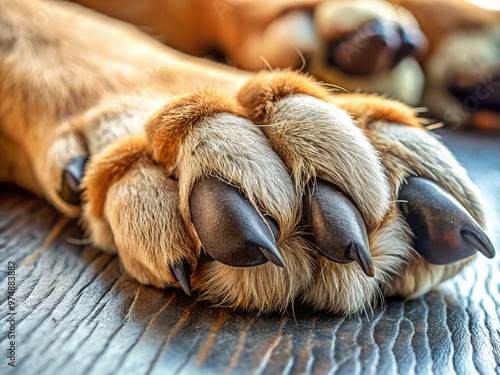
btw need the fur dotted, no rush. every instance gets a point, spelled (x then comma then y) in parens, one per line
(152, 122)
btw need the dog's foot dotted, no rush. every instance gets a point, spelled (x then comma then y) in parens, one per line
(412, 212)
(369, 46)
(464, 79)
(279, 196)
(366, 37)
(360, 45)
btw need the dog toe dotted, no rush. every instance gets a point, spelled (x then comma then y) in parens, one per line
(336, 226)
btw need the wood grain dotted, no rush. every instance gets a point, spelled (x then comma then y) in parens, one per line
(77, 313)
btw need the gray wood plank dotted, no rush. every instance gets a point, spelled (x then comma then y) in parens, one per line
(77, 314)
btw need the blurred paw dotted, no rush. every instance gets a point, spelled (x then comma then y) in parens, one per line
(365, 45)
(463, 79)
(366, 37)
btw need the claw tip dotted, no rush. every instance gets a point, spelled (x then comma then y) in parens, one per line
(482, 245)
(362, 257)
(71, 179)
(272, 254)
(182, 273)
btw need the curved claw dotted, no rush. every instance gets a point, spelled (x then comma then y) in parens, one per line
(230, 229)
(72, 175)
(375, 47)
(182, 273)
(337, 226)
(444, 231)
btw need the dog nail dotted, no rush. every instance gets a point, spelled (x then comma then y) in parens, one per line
(480, 241)
(361, 255)
(229, 227)
(182, 273)
(444, 231)
(409, 46)
(72, 175)
(337, 228)
(365, 51)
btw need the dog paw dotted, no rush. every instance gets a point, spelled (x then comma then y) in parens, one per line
(370, 46)
(279, 196)
(406, 253)
(464, 79)
(364, 44)
(366, 37)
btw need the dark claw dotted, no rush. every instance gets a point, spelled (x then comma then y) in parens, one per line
(362, 256)
(182, 273)
(72, 176)
(338, 230)
(444, 231)
(364, 51)
(409, 45)
(480, 241)
(230, 229)
(204, 257)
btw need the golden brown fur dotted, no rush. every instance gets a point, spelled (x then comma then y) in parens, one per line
(153, 121)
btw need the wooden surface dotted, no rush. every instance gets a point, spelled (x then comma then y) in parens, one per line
(77, 314)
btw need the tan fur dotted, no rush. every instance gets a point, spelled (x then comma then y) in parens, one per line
(369, 108)
(265, 288)
(170, 126)
(260, 94)
(148, 242)
(311, 138)
(153, 122)
(234, 27)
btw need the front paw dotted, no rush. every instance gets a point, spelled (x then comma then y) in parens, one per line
(278, 196)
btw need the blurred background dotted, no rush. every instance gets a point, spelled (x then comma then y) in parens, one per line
(440, 55)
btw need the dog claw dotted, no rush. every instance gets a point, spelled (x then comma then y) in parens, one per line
(444, 231)
(272, 254)
(409, 45)
(479, 241)
(229, 227)
(364, 51)
(72, 175)
(375, 47)
(338, 230)
(361, 255)
(182, 273)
